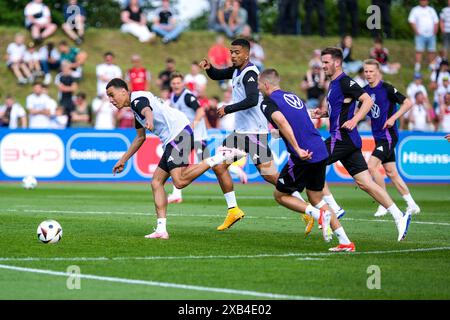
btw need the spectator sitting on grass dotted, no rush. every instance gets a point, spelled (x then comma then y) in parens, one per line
(134, 22)
(74, 21)
(14, 60)
(381, 54)
(74, 56)
(38, 20)
(166, 25)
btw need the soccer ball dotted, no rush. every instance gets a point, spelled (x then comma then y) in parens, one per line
(49, 231)
(29, 182)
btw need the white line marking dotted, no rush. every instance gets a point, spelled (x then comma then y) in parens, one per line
(294, 216)
(163, 284)
(256, 256)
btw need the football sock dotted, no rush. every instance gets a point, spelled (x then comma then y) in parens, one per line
(342, 236)
(298, 196)
(230, 198)
(332, 203)
(381, 208)
(161, 225)
(395, 211)
(176, 192)
(409, 200)
(314, 212)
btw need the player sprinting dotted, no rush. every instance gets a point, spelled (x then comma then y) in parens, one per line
(173, 128)
(308, 156)
(184, 100)
(345, 143)
(383, 117)
(251, 128)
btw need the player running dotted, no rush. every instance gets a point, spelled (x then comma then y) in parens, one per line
(173, 128)
(251, 128)
(345, 143)
(383, 116)
(308, 156)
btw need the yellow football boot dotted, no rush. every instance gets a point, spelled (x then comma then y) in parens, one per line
(309, 223)
(234, 215)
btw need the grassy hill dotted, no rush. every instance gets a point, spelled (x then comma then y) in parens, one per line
(289, 54)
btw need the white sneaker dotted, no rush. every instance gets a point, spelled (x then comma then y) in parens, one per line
(172, 198)
(340, 213)
(381, 211)
(413, 209)
(403, 225)
(47, 78)
(231, 154)
(324, 221)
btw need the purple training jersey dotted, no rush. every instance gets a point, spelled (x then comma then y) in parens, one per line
(385, 98)
(343, 94)
(294, 110)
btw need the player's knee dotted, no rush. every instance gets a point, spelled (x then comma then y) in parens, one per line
(391, 173)
(363, 185)
(278, 196)
(156, 184)
(372, 169)
(180, 184)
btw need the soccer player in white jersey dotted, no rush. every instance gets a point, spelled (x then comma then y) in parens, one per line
(251, 127)
(173, 128)
(184, 100)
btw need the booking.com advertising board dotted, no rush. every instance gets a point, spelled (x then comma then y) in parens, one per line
(89, 155)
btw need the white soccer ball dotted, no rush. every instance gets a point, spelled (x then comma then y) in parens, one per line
(49, 231)
(29, 182)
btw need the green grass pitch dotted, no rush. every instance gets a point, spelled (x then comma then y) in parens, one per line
(264, 256)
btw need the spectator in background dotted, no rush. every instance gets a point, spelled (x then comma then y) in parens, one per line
(257, 55)
(211, 118)
(165, 24)
(220, 57)
(360, 78)
(251, 6)
(67, 86)
(419, 115)
(231, 18)
(424, 22)
(81, 115)
(74, 56)
(437, 76)
(348, 8)
(50, 60)
(416, 86)
(125, 118)
(288, 18)
(138, 78)
(105, 113)
(445, 113)
(385, 9)
(106, 72)
(319, 7)
(40, 108)
(14, 60)
(212, 16)
(12, 114)
(74, 21)
(445, 27)
(227, 122)
(349, 65)
(38, 20)
(440, 93)
(32, 59)
(196, 81)
(163, 80)
(134, 22)
(165, 97)
(59, 120)
(381, 54)
(314, 84)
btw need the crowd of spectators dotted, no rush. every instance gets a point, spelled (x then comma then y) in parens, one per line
(33, 62)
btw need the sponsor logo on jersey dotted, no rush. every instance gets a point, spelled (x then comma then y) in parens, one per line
(293, 101)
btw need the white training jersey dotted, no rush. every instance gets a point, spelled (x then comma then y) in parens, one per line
(182, 103)
(167, 122)
(251, 120)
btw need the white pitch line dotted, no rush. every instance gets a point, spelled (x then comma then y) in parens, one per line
(294, 216)
(256, 256)
(163, 284)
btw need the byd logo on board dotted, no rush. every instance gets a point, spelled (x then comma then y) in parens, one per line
(37, 154)
(93, 155)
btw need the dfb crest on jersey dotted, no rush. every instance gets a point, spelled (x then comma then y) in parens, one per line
(375, 110)
(293, 101)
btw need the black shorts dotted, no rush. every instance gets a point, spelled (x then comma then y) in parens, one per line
(297, 176)
(256, 145)
(384, 151)
(350, 156)
(177, 152)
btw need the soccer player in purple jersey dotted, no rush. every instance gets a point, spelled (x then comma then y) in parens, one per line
(344, 143)
(308, 156)
(383, 117)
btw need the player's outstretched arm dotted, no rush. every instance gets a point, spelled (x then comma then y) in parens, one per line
(214, 73)
(134, 147)
(406, 105)
(287, 132)
(366, 104)
(321, 112)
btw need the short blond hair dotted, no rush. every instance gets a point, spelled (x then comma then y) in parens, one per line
(372, 62)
